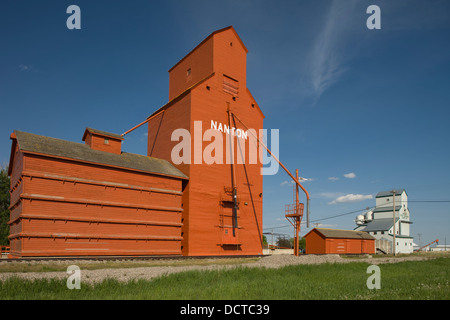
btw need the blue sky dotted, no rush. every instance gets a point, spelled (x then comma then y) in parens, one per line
(359, 111)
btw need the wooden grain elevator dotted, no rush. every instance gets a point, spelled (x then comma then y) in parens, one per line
(197, 192)
(206, 88)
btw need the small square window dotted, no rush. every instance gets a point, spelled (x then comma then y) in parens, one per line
(106, 141)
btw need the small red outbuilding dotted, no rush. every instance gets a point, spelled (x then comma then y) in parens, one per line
(333, 241)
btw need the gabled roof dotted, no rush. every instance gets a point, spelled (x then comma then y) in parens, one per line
(188, 90)
(209, 37)
(345, 234)
(389, 193)
(102, 133)
(181, 95)
(36, 144)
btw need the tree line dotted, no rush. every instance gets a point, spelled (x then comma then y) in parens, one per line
(4, 206)
(284, 242)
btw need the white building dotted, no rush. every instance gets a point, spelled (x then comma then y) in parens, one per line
(440, 247)
(379, 222)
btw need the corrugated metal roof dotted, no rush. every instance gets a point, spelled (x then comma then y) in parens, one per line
(379, 225)
(386, 209)
(347, 234)
(61, 148)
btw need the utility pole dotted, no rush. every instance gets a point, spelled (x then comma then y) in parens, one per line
(297, 220)
(393, 214)
(272, 238)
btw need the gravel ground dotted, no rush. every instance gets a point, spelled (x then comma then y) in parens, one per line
(126, 274)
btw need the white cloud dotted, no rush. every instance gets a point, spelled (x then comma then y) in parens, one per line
(329, 195)
(327, 60)
(291, 182)
(350, 175)
(351, 198)
(333, 178)
(324, 225)
(27, 67)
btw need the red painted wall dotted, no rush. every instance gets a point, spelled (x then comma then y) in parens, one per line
(207, 216)
(316, 243)
(103, 142)
(62, 207)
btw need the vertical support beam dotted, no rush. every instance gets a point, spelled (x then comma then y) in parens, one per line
(297, 218)
(233, 174)
(393, 227)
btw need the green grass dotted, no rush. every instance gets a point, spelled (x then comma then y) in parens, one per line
(418, 280)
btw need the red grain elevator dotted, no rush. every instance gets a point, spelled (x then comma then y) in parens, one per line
(222, 200)
(198, 192)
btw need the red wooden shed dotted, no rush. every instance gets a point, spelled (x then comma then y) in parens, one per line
(333, 241)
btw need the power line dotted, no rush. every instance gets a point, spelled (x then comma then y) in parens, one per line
(428, 200)
(356, 211)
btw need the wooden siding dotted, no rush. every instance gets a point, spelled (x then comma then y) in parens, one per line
(63, 207)
(316, 243)
(200, 64)
(98, 142)
(66, 208)
(207, 210)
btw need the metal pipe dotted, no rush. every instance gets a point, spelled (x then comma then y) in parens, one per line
(285, 169)
(297, 219)
(233, 176)
(140, 124)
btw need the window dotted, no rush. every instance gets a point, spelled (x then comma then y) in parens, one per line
(106, 140)
(188, 72)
